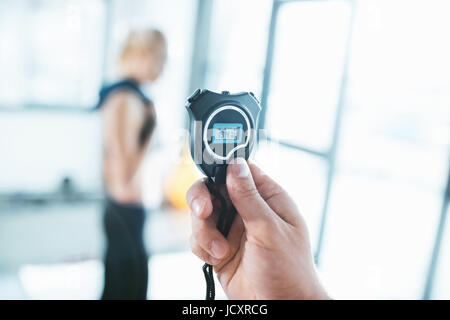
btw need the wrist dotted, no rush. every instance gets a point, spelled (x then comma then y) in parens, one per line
(320, 294)
(315, 291)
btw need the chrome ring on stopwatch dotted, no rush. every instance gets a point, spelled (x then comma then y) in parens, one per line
(223, 134)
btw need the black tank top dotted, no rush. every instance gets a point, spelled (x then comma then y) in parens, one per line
(132, 86)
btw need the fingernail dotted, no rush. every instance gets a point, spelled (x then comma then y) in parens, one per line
(240, 168)
(197, 206)
(217, 249)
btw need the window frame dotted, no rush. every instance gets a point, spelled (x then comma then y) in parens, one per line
(198, 72)
(328, 155)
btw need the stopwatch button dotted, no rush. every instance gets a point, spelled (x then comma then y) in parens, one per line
(253, 95)
(194, 95)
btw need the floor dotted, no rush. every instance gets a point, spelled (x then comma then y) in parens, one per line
(54, 251)
(58, 248)
(84, 280)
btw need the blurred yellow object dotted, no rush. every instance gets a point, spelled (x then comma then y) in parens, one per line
(180, 180)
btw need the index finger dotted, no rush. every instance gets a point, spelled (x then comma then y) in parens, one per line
(199, 199)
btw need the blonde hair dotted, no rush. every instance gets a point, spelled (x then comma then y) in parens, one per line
(149, 40)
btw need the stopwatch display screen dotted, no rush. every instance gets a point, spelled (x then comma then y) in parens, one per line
(227, 133)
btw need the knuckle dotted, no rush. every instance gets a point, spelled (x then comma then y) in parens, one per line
(200, 234)
(245, 192)
(194, 190)
(196, 223)
(196, 231)
(196, 249)
(202, 255)
(194, 245)
(197, 252)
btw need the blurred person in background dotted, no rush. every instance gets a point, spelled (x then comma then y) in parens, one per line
(129, 120)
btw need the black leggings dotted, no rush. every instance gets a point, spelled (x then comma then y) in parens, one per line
(126, 260)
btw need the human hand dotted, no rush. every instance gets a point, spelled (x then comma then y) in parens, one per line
(267, 254)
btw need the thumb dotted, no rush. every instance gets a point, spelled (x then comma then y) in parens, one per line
(244, 195)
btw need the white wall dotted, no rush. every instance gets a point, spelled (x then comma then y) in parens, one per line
(38, 148)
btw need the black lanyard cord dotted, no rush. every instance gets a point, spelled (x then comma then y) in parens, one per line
(227, 213)
(209, 278)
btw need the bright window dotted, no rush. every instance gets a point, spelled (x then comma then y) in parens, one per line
(392, 148)
(238, 40)
(51, 52)
(310, 43)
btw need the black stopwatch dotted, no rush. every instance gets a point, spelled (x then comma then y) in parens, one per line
(223, 127)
